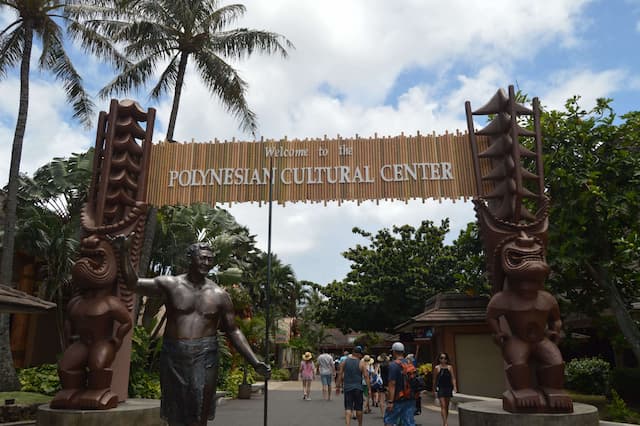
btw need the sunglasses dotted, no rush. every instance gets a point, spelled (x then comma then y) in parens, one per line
(443, 357)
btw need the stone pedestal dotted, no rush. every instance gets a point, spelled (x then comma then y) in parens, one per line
(485, 413)
(136, 412)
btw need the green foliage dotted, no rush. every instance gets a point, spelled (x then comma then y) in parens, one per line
(618, 411)
(48, 210)
(180, 226)
(280, 374)
(589, 376)
(286, 294)
(41, 379)
(468, 268)
(625, 382)
(144, 377)
(225, 359)
(144, 384)
(592, 175)
(397, 271)
(236, 377)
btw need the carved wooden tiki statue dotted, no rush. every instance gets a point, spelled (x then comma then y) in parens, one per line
(100, 313)
(512, 212)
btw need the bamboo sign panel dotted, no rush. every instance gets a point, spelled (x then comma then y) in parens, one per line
(313, 170)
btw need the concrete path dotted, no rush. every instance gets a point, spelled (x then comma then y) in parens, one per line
(287, 408)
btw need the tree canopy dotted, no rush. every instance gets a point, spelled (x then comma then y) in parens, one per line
(393, 276)
(592, 175)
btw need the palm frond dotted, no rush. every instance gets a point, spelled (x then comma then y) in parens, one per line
(167, 79)
(133, 76)
(96, 43)
(11, 25)
(51, 35)
(152, 44)
(11, 50)
(221, 79)
(223, 17)
(61, 65)
(242, 42)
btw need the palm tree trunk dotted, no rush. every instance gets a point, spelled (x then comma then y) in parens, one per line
(182, 68)
(8, 377)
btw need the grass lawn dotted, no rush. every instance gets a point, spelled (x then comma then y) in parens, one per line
(25, 398)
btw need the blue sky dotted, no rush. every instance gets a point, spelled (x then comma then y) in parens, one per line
(369, 66)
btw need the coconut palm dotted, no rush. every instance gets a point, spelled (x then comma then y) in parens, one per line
(170, 32)
(35, 20)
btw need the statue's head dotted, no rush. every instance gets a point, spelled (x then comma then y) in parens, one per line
(96, 268)
(523, 263)
(201, 257)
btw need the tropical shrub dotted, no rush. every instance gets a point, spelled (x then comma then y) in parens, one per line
(41, 379)
(589, 376)
(144, 377)
(235, 378)
(618, 411)
(280, 374)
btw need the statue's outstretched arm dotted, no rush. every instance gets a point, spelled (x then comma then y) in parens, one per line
(237, 338)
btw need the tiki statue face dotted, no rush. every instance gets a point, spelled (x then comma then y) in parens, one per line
(524, 264)
(96, 267)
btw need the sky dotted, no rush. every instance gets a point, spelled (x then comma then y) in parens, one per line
(364, 67)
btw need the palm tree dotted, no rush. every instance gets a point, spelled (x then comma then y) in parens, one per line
(172, 31)
(37, 19)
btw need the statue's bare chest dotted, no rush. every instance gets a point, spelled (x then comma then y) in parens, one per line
(186, 299)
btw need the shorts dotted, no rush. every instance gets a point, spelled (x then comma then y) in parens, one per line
(353, 400)
(325, 379)
(403, 411)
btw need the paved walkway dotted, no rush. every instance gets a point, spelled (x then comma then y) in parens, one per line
(287, 408)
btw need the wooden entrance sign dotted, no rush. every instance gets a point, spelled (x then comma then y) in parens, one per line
(313, 170)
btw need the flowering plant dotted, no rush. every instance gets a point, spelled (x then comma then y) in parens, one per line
(424, 369)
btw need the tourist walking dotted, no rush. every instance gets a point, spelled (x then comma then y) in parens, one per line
(351, 373)
(400, 407)
(377, 383)
(444, 384)
(327, 370)
(411, 358)
(307, 374)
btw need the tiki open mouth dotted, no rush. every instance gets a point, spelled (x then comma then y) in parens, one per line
(516, 258)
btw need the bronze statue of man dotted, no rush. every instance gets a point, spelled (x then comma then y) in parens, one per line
(196, 309)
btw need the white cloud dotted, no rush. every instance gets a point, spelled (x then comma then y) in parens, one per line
(349, 57)
(311, 237)
(590, 85)
(47, 135)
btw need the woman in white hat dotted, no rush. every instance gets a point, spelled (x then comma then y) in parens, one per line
(307, 374)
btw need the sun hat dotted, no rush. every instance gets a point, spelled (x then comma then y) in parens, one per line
(307, 356)
(366, 358)
(382, 358)
(397, 347)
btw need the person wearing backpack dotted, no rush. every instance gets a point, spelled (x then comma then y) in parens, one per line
(401, 403)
